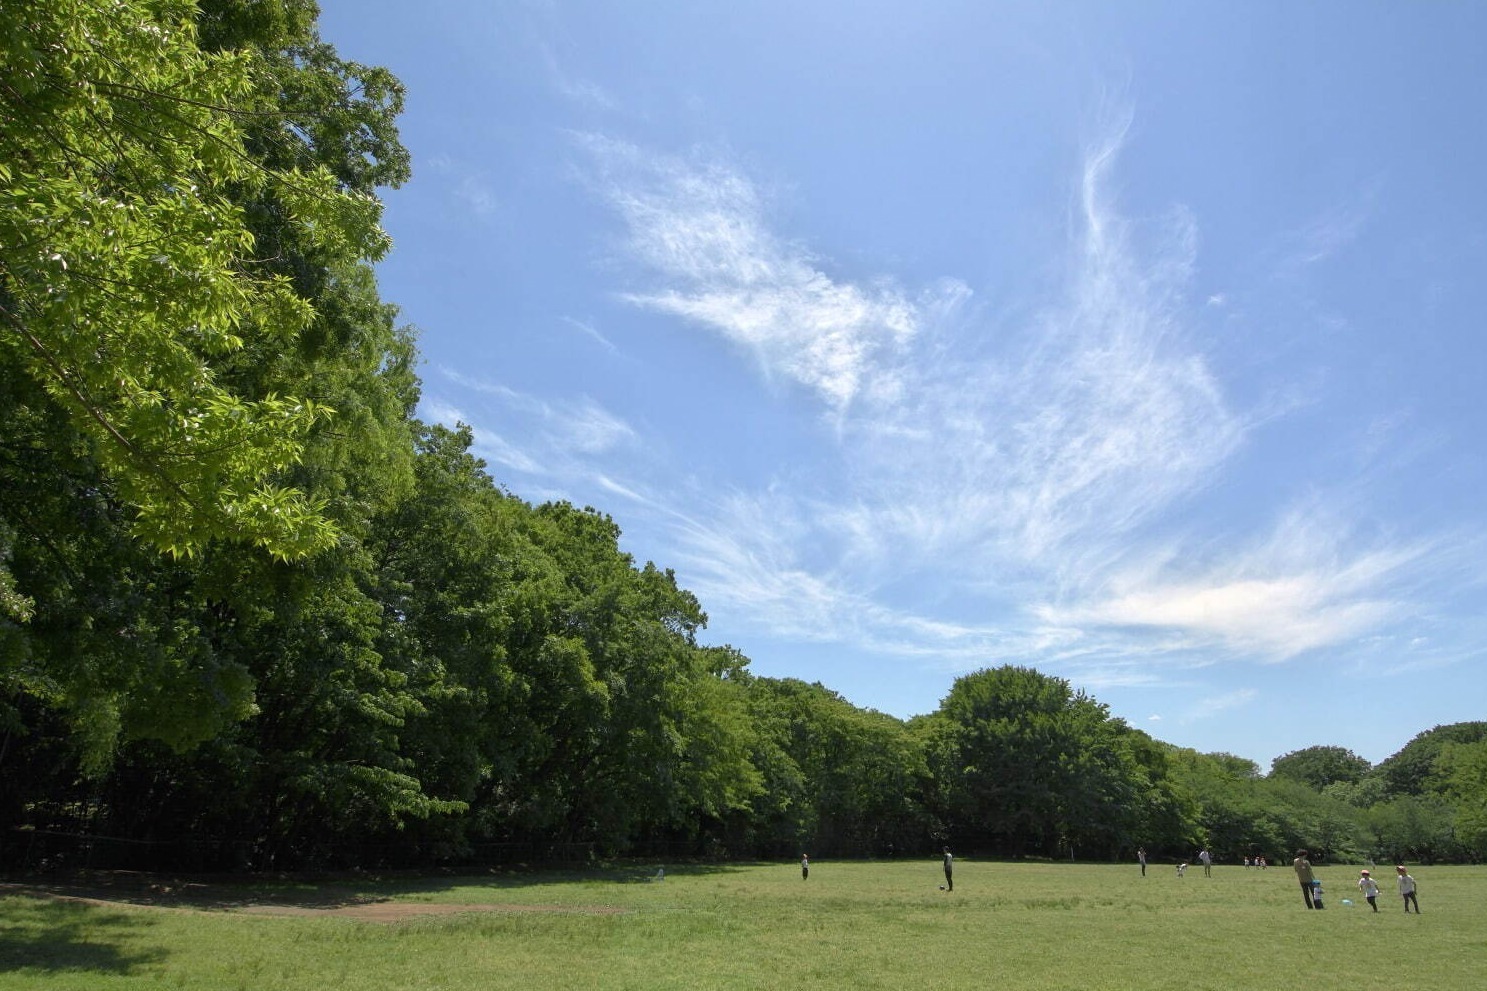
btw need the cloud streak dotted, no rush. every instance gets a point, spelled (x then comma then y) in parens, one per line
(1011, 480)
(469, 189)
(559, 442)
(699, 229)
(1071, 430)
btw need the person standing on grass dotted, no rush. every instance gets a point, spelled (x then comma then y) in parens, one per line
(949, 870)
(805, 867)
(1407, 888)
(1207, 860)
(1370, 888)
(1141, 856)
(1304, 875)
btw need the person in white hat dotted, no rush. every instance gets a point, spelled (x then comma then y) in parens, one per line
(1370, 889)
(1407, 888)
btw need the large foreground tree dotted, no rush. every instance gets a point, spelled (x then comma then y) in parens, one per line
(129, 269)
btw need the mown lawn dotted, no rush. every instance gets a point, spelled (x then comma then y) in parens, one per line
(858, 925)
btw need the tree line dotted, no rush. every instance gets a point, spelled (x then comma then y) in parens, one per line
(255, 613)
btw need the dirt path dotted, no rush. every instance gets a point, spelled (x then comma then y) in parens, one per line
(327, 901)
(398, 911)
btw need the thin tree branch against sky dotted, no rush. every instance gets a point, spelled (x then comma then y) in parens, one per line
(1142, 346)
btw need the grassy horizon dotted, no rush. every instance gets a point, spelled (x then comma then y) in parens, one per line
(854, 924)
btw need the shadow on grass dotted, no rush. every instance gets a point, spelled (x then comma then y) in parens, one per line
(55, 936)
(332, 891)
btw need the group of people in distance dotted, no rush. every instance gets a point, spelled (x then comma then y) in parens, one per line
(948, 862)
(1204, 857)
(1311, 888)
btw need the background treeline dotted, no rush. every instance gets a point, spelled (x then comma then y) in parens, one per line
(255, 614)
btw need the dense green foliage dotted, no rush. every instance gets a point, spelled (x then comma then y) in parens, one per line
(253, 612)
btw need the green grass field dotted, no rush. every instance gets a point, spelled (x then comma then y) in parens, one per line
(852, 925)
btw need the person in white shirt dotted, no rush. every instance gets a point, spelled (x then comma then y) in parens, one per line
(1407, 888)
(1370, 889)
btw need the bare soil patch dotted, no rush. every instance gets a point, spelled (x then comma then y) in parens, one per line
(398, 911)
(117, 889)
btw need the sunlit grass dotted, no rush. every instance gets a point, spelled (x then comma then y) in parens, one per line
(852, 925)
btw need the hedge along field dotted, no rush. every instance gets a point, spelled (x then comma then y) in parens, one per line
(851, 925)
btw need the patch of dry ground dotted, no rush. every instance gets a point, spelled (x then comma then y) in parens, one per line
(115, 889)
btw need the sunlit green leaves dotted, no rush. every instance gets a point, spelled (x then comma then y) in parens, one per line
(128, 270)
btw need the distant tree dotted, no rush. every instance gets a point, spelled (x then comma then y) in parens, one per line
(1411, 771)
(1321, 766)
(1461, 775)
(1165, 814)
(1413, 827)
(1362, 794)
(838, 780)
(1239, 768)
(1243, 814)
(1026, 764)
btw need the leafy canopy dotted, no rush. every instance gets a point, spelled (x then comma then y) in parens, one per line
(127, 269)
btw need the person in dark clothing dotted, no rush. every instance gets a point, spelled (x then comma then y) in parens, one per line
(1304, 875)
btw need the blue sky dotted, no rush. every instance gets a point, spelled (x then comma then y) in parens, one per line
(1141, 344)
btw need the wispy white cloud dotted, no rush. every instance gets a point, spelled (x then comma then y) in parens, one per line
(1213, 705)
(1023, 470)
(1329, 232)
(1310, 584)
(470, 189)
(581, 426)
(1073, 429)
(700, 229)
(576, 90)
(478, 194)
(591, 332)
(1325, 236)
(1024, 448)
(487, 443)
(441, 412)
(559, 443)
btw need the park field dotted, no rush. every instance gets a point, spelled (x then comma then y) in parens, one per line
(858, 925)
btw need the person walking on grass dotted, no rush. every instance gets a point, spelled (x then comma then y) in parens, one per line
(1369, 887)
(1304, 875)
(949, 870)
(1141, 856)
(1407, 888)
(1206, 859)
(805, 867)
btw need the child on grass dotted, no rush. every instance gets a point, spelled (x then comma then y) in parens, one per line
(1407, 888)
(1370, 889)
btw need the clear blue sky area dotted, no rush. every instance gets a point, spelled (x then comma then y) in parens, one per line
(1141, 344)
